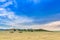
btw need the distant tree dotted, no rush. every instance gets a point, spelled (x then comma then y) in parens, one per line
(12, 30)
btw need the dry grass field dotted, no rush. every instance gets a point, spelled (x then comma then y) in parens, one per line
(30, 36)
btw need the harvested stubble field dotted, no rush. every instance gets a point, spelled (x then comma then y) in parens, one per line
(30, 36)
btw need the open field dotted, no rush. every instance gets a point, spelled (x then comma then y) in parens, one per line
(29, 36)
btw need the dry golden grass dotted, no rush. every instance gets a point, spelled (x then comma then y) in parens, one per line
(30, 36)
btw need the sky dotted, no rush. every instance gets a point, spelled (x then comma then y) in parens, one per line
(29, 13)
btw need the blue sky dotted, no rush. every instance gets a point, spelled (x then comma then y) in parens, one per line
(28, 12)
(39, 10)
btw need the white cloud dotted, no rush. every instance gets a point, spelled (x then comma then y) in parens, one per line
(36, 1)
(52, 26)
(8, 3)
(15, 3)
(11, 19)
(33, 1)
(2, 0)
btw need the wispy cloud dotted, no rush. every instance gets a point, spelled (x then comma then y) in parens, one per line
(8, 3)
(52, 26)
(36, 1)
(9, 18)
(50, 18)
(2, 0)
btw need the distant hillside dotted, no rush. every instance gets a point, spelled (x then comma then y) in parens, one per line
(23, 29)
(40, 30)
(2, 29)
